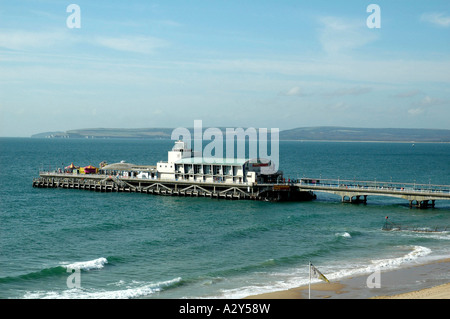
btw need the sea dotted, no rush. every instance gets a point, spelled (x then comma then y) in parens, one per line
(71, 244)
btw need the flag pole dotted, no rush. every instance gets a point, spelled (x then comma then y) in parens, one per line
(309, 280)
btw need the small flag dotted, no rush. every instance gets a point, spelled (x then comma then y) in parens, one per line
(316, 273)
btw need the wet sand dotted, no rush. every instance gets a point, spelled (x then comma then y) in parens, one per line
(424, 281)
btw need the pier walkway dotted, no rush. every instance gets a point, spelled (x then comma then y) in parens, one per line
(179, 187)
(350, 191)
(353, 191)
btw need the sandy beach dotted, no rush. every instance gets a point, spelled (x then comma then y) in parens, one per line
(424, 281)
(438, 292)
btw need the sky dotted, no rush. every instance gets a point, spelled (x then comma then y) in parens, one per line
(262, 64)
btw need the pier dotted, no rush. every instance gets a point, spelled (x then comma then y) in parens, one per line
(157, 186)
(350, 191)
(353, 191)
(185, 174)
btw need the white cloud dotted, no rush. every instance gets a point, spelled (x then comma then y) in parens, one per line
(425, 104)
(349, 91)
(337, 35)
(136, 44)
(416, 111)
(340, 106)
(436, 18)
(407, 94)
(169, 23)
(294, 91)
(25, 40)
(395, 71)
(430, 101)
(32, 40)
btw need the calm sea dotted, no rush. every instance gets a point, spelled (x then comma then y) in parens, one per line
(130, 245)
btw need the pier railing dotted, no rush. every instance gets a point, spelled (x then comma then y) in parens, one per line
(376, 185)
(353, 191)
(120, 177)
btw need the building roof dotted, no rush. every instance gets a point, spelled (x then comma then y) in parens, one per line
(212, 160)
(127, 167)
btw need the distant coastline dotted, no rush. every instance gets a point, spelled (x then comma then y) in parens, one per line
(322, 133)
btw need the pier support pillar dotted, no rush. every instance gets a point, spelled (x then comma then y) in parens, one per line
(422, 204)
(354, 199)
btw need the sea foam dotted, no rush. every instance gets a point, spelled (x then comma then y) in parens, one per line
(98, 263)
(344, 235)
(417, 252)
(142, 290)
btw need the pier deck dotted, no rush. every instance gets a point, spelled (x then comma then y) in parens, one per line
(105, 183)
(352, 191)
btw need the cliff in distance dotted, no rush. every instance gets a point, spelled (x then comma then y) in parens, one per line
(321, 133)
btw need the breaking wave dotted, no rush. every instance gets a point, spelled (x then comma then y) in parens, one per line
(344, 235)
(98, 263)
(134, 290)
(88, 265)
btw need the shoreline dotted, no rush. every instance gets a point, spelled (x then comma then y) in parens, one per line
(422, 281)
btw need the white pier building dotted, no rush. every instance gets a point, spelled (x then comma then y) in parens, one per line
(183, 165)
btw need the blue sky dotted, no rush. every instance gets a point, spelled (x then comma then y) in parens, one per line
(274, 64)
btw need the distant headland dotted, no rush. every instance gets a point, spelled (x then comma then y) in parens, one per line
(320, 133)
